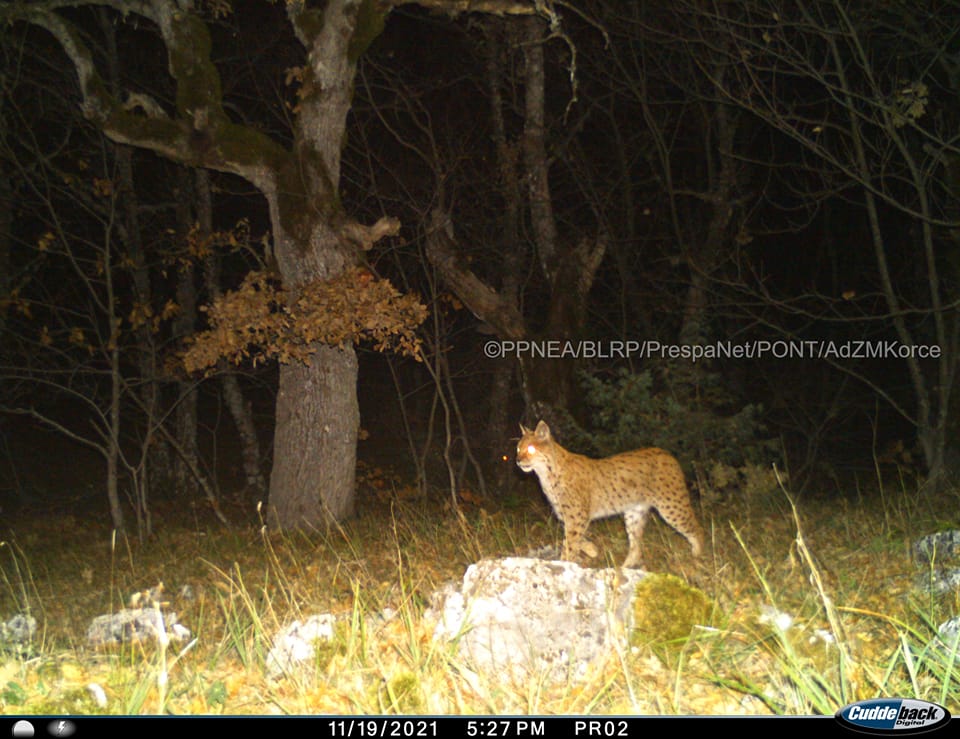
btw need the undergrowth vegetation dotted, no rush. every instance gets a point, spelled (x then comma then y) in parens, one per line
(794, 610)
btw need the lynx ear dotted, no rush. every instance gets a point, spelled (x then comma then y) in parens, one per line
(524, 430)
(543, 431)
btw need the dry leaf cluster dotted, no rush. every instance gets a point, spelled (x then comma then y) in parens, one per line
(259, 320)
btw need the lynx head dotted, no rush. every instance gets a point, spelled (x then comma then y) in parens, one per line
(533, 446)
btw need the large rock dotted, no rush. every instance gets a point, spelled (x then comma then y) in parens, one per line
(520, 617)
(134, 625)
(938, 558)
(296, 644)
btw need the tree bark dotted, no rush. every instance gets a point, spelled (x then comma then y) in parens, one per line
(314, 404)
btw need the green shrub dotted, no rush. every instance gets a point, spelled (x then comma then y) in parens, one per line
(708, 431)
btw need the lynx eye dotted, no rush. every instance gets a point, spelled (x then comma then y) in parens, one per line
(531, 449)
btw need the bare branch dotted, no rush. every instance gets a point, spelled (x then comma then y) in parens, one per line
(366, 236)
(485, 302)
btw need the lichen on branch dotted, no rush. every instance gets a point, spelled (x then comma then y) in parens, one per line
(259, 321)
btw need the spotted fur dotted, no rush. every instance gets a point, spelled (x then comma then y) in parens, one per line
(581, 490)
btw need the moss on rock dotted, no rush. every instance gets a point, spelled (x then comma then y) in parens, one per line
(665, 610)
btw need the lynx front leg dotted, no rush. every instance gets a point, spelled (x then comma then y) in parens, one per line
(575, 524)
(635, 519)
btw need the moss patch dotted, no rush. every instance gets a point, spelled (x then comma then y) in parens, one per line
(402, 694)
(665, 610)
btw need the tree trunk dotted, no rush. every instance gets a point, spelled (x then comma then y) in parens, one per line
(6, 221)
(499, 424)
(317, 415)
(112, 441)
(240, 410)
(705, 252)
(535, 147)
(185, 324)
(132, 238)
(548, 381)
(316, 439)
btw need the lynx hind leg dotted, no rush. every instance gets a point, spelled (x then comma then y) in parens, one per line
(684, 521)
(635, 520)
(695, 537)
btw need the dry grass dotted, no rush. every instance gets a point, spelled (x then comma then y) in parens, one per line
(832, 568)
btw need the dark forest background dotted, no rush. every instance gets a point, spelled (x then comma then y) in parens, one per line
(688, 173)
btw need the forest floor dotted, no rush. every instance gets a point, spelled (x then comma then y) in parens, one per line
(789, 633)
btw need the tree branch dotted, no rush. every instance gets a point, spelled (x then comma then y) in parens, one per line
(201, 134)
(364, 237)
(485, 302)
(456, 7)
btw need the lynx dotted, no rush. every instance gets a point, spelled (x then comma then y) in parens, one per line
(581, 490)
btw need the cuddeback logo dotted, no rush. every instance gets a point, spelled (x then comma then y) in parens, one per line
(893, 716)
